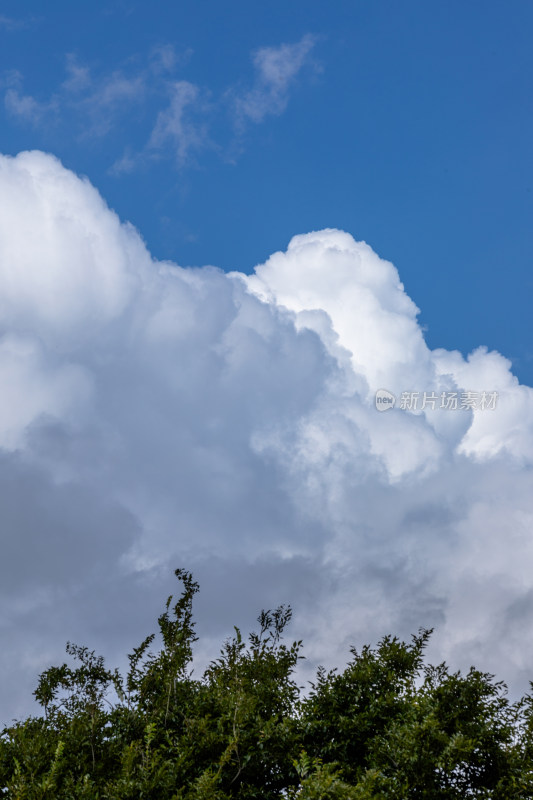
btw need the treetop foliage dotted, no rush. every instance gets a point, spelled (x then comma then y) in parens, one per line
(388, 727)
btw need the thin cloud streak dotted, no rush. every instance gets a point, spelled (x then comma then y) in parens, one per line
(276, 71)
(12, 24)
(178, 114)
(175, 128)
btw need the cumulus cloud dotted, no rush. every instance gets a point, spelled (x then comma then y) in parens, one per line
(154, 416)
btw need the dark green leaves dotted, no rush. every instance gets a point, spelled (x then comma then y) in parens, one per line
(388, 727)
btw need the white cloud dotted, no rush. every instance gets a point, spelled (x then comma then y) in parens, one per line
(62, 273)
(154, 417)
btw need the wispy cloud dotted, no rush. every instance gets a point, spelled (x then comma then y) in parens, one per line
(175, 127)
(23, 106)
(101, 101)
(12, 24)
(179, 115)
(111, 99)
(180, 131)
(183, 126)
(96, 104)
(276, 70)
(27, 108)
(165, 58)
(78, 75)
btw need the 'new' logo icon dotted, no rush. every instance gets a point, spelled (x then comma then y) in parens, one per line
(384, 400)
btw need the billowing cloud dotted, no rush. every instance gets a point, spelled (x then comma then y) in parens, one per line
(153, 416)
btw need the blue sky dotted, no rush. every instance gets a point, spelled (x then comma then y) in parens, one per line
(223, 418)
(408, 125)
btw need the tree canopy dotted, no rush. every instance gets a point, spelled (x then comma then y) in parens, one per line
(388, 727)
